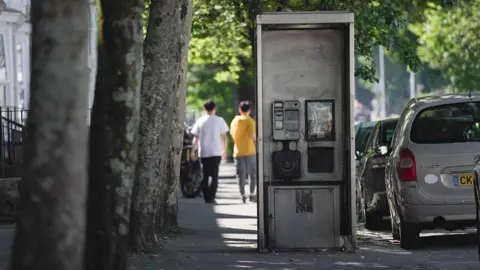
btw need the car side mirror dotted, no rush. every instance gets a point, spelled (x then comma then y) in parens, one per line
(382, 149)
(358, 156)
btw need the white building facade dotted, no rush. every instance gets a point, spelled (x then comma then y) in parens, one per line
(15, 35)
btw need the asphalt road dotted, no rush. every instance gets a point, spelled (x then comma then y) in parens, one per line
(437, 249)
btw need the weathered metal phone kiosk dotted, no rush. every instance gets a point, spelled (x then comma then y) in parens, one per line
(305, 95)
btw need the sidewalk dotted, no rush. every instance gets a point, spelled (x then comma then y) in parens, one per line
(223, 236)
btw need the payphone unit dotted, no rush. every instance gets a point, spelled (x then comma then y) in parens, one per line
(286, 162)
(305, 133)
(286, 117)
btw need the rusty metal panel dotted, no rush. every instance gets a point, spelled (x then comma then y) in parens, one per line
(304, 217)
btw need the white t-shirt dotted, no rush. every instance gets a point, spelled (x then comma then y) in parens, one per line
(208, 129)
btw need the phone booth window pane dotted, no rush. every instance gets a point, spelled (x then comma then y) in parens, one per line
(320, 124)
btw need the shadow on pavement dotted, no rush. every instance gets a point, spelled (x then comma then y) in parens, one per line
(227, 226)
(437, 239)
(224, 236)
(448, 241)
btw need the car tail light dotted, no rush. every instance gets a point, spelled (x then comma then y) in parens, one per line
(406, 166)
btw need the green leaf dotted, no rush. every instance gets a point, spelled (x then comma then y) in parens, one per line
(450, 41)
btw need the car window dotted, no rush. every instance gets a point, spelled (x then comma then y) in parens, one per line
(386, 132)
(362, 138)
(450, 123)
(402, 123)
(373, 141)
(370, 141)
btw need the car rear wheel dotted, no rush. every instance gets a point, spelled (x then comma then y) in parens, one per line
(409, 235)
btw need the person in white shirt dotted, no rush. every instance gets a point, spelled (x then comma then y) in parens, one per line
(210, 139)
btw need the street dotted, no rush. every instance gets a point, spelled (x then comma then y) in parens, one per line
(223, 236)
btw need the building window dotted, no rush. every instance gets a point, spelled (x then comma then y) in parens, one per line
(3, 60)
(19, 61)
(92, 35)
(3, 71)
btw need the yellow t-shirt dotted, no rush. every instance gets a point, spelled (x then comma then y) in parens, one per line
(241, 129)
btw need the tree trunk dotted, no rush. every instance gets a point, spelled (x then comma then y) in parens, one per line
(51, 227)
(169, 206)
(246, 89)
(164, 51)
(2, 6)
(114, 135)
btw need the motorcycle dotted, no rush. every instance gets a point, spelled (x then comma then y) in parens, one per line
(190, 170)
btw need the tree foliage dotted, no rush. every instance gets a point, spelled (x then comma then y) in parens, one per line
(222, 37)
(221, 31)
(221, 52)
(450, 41)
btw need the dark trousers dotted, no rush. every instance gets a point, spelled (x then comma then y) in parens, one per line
(210, 169)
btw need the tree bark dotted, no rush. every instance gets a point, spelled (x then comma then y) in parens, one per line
(50, 231)
(114, 135)
(164, 51)
(2, 6)
(169, 206)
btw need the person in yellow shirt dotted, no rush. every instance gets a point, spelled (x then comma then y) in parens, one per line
(243, 133)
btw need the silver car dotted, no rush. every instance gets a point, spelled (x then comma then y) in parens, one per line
(428, 177)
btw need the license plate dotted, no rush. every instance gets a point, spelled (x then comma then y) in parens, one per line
(463, 180)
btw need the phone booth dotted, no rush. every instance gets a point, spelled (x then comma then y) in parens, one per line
(305, 134)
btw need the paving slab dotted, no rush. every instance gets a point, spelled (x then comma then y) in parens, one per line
(223, 236)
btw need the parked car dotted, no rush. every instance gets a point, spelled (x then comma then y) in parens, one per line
(428, 174)
(362, 134)
(371, 174)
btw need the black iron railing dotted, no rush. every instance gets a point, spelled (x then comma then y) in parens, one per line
(13, 130)
(12, 123)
